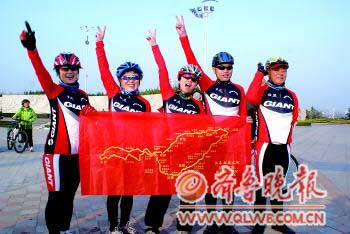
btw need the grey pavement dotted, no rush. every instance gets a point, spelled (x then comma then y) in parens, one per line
(23, 193)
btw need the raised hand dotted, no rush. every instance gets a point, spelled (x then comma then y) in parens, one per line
(180, 26)
(261, 69)
(28, 38)
(100, 34)
(151, 37)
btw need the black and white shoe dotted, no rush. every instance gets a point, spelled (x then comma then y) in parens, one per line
(151, 230)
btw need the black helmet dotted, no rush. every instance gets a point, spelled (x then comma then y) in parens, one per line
(222, 57)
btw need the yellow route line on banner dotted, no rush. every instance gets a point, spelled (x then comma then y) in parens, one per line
(222, 131)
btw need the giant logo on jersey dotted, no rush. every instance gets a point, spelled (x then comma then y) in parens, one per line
(53, 127)
(122, 107)
(224, 99)
(177, 109)
(226, 95)
(74, 106)
(74, 102)
(278, 105)
(278, 101)
(127, 103)
(49, 170)
(179, 105)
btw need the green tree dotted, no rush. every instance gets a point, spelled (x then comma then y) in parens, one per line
(313, 113)
(348, 114)
(35, 92)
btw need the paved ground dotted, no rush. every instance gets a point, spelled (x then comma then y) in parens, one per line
(23, 192)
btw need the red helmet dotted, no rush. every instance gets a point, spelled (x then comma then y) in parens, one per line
(66, 59)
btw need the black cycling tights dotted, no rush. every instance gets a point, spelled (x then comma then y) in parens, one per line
(156, 210)
(274, 155)
(59, 207)
(112, 210)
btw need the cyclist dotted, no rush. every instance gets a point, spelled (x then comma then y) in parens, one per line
(179, 101)
(222, 97)
(27, 117)
(277, 115)
(60, 160)
(124, 98)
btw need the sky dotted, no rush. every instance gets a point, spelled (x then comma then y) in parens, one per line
(312, 35)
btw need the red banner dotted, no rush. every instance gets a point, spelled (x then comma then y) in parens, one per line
(143, 153)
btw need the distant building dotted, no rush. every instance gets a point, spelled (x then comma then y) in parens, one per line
(302, 114)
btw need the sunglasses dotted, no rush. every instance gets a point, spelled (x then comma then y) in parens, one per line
(190, 77)
(131, 77)
(72, 68)
(220, 67)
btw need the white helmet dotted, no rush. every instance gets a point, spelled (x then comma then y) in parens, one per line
(190, 69)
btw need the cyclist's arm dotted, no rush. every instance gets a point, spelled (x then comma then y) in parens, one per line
(106, 76)
(205, 82)
(295, 110)
(50, 88)
(148, 105)
(255, 90)
(295, 115)
(15, 116)
(243, 103)
(165, 87)
(200, 106)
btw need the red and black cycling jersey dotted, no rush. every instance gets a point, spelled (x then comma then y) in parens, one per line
(277, 111)
(173, 102)
(65, 107)
(221, 98)
(116, 100)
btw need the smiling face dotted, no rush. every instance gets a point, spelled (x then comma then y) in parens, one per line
(223, 71)
(26, 104)
(129, 82)
(188, 83)
(68, 74)
(278, 75)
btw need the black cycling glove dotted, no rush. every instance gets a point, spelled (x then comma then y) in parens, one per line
(261, 69)
(28, 38)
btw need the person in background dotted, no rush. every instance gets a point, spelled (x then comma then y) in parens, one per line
(26, 117)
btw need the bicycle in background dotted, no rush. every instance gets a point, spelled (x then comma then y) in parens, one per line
(17, 138)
